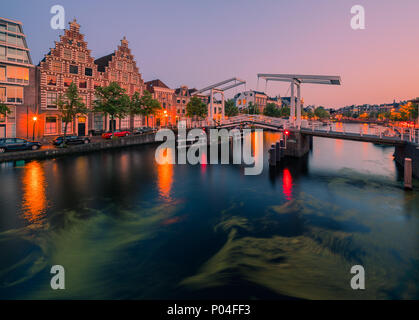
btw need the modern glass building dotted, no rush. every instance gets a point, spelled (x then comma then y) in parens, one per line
(15, 62)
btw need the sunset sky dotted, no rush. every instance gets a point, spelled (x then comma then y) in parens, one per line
(197, 43)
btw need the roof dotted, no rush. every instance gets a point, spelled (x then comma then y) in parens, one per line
(103, 62)
(156, 83)
(316, 79)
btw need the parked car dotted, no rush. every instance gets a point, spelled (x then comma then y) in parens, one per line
(70, 140)
(17, 144)
(117, 133)
(142, 130)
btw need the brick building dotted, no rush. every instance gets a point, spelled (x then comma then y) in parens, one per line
(15, 69)
(70, 61)
(166, 96)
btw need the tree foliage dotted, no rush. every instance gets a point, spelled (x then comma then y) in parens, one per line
(148, 105)
(196, 108)
(113, 101)
(70, 105)
(4, 110)
(230, 108)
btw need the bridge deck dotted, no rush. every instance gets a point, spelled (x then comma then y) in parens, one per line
(281, 124)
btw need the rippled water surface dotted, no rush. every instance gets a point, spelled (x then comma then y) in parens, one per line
(124, 227)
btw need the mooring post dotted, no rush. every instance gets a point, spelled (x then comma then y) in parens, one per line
(408, 174)
(272, 156)
(278, 151)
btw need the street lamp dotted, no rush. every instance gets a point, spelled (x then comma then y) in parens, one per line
(35, 118)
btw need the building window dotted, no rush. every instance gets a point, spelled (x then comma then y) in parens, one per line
(98, 122)
(96, 85)
(178, 101)
(2, 36)
(69, 127)
(114, 76)
(2, 94)
(129, 67)
(74, 69)
(88, 72)
(2, 51)
(51, 125)
(67, 53)
(83, 84)
(125, 77)
(67, 82)
(52, 100)
(15, 94)
(125, 123)
(2, 73)
(56, 66)
(138, 121)
(82, 57)
(52, 80)
(119, 65)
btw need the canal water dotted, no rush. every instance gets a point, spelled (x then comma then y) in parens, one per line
(124, 227)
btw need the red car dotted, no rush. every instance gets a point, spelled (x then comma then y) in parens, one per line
(117, 133)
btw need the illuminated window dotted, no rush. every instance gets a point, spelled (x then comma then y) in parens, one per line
(67, 82)
(51, 125)
(2, 73)
(52, 80)
(67, 53)
(52, 100)
(83, 84)
(2, 94)
(15, 94)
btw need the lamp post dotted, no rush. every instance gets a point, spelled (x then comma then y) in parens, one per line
(35, 118)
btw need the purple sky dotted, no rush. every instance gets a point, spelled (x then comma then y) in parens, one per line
(199, 42)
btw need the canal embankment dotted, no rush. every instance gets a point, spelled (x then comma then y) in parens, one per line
(79, 149)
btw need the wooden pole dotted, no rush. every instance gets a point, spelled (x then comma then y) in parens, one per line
(272, 156)
(408, 174)
(278, 151)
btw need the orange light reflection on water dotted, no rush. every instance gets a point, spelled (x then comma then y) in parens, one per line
(165, 174)
(34, 202)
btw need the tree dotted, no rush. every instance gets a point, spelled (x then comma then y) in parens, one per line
(149, 106)
(4, 110)
(70, 105)
(230, 108)
(112, 101)
(136, 106)
(196, 108)
(271, 110)
(321, 113)
(285, 111)
(252, 109)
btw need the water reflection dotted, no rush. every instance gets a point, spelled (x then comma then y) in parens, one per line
(34, 202)
(165, 173)
(287, 184)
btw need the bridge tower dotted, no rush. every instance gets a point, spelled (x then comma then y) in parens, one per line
(297, 80)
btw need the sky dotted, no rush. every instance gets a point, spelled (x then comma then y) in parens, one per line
(201, 42)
